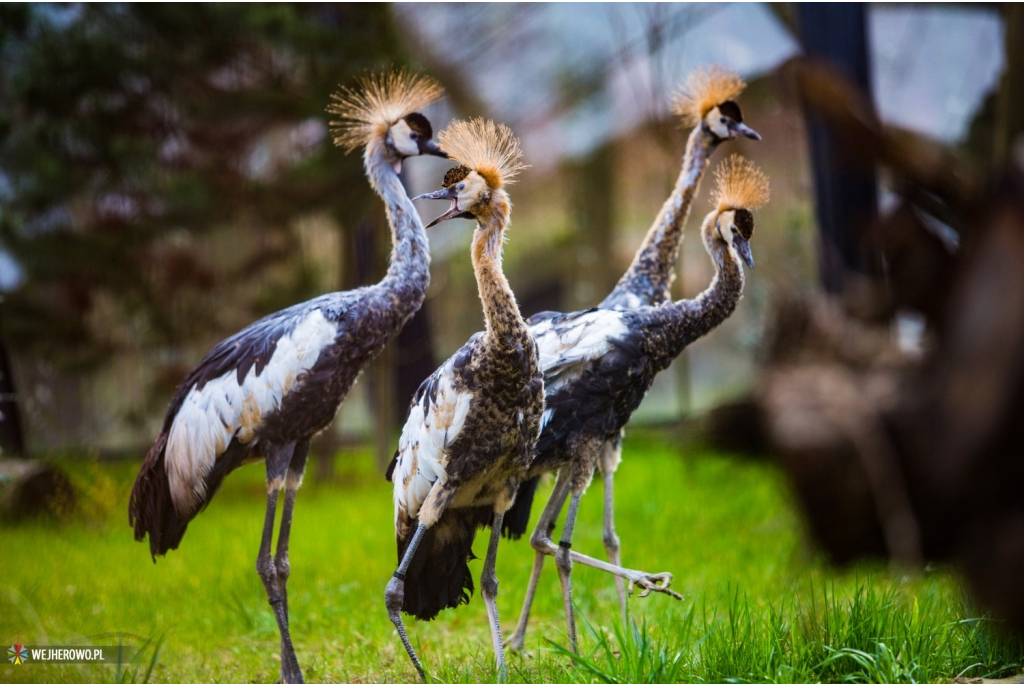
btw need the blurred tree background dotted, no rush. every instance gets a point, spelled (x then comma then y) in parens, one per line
(165, 178)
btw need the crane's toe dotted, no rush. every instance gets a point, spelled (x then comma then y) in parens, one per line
(653, 582)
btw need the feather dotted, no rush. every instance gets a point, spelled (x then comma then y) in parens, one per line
(490, 149)
(211, 414)
(739, 184)
(436, 417)
(705, 88)
(380, 101)
(567, 342)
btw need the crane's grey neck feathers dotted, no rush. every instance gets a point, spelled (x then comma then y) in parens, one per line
(678, 324)
(648, 281)
(408, 276)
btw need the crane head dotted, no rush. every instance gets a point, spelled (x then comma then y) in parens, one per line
(412, 135)
(725, 122)
(739, 187)
(708, 98)
(385, 107)
(488, 157)
(735, 227)
(467, 191)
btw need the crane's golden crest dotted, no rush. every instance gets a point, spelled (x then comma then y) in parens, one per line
(705, 88)
(379, 101)
(489, 149)
(739, 184)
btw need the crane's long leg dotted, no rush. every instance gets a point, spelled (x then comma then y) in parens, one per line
(563, 562)
(489, 591)
(281, 564)
(277, 464)
(545, 526)
(650, 582)
(611, 455)
(394, 595)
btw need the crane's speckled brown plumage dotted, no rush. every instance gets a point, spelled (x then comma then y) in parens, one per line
(473, 425)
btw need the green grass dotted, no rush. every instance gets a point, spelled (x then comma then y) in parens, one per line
(759, 606)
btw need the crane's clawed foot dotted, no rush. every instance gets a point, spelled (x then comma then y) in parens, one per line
(651, 582)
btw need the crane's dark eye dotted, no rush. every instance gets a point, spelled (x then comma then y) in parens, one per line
(460, 187)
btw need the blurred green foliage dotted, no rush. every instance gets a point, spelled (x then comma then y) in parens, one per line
(129, 134)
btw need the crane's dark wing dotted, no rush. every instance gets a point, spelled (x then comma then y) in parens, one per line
(241, 380)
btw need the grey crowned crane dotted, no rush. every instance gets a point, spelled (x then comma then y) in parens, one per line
(707, 102)
(265, 391)
(599, 364)
(473, 424)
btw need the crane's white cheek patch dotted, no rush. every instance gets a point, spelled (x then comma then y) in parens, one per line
(224, 409)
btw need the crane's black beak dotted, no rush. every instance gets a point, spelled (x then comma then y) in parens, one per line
(742, 246)
(449, 194)
(741, 129)
(429, 147)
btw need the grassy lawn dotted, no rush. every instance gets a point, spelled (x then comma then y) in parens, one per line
(758, 605)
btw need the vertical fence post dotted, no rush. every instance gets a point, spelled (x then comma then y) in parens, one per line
(846, 197)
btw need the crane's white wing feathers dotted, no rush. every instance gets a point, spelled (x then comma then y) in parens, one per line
(435, 420)
(223, 408)
(567, 343)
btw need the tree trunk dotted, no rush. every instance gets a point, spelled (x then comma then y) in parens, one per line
(12, 438)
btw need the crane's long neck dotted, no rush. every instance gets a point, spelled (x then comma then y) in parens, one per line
(678, 324)
(648, 281)
(505, 324)
(408, 277)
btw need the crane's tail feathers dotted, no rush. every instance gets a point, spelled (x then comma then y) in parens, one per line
(517, 518)
(439, 577)
(150, 509)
